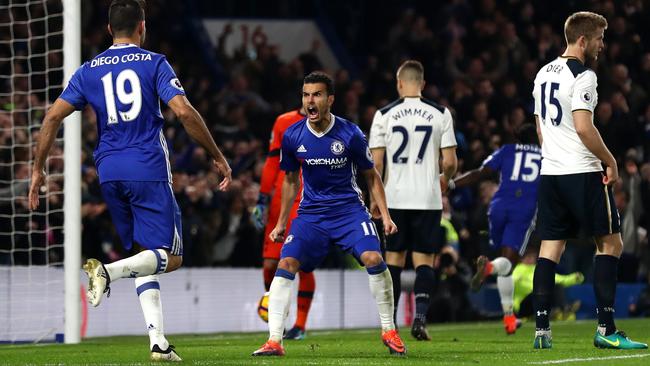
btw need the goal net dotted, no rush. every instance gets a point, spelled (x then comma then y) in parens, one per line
(31, 243)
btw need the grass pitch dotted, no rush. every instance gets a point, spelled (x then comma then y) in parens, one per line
(453, 344)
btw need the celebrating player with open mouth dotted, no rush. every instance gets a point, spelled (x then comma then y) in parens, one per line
(328, 150)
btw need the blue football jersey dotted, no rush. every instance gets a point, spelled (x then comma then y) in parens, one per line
(329, 162)
(519, 167)
(124, 85)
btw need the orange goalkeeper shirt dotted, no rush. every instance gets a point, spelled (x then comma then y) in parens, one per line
(272, 176)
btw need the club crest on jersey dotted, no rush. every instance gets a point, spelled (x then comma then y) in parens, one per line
(288, 239)
(337, 147)
(586, 97)
(176, 84)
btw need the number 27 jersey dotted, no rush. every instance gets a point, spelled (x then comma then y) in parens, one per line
(124, 85)
(561, 87)
(412, 131)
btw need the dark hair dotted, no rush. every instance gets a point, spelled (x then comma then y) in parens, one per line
(124, 16)
(320, 77)
(527, 134)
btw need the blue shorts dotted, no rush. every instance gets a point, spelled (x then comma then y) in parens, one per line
(311, 236)
(511, 226)
(145, 212)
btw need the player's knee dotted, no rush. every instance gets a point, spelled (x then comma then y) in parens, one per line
(174, 262)
(371, 259)
(289, 264)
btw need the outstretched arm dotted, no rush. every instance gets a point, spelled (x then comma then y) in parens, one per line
(196, 128)
(376, 188)
(51, 123)
(472, 177)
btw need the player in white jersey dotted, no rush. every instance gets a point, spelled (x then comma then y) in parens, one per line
(411, 132)
(574, 195)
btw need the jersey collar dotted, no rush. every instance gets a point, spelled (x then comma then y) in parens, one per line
(117, 46)
(328, 129)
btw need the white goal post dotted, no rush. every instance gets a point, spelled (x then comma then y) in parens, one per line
(72, 177)
(40, 251)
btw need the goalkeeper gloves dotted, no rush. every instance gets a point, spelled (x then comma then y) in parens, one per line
(259, 212)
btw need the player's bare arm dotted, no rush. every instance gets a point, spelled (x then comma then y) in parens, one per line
(539, 130)
(378, 158)
(473, 176)
(449, 166)
(51, 123)
(376, 188)
(290, 187)
(591, 138)
(196, 128)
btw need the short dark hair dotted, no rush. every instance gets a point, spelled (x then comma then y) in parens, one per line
(527, 134)
(124, 16)
(320, 77)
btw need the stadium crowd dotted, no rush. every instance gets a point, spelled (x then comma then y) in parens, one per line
(480, 61)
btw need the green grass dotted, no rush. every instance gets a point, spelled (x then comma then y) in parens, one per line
(453, 344)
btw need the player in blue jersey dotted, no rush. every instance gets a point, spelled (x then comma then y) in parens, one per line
(124, 85)
(511, 213)
(329, 150)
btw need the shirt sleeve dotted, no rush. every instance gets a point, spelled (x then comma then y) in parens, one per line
(378, 131)
(584, 92)
(73, 93)
(448, 136)
(275, 143)
(288, 161)
(167, 84)
(360, 151)
(495, 160)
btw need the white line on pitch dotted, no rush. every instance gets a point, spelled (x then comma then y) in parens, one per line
(567, 360)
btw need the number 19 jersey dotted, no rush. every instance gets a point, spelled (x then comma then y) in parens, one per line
(412, 130)
(561, 87)
(124, 85)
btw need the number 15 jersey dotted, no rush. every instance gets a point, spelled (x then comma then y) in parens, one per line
(412, 130)
(561, 87)
(124, 85)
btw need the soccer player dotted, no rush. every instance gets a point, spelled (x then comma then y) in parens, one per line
(411, 132)
(511, 213)
(124, 85)
(272, 178)
(328, 150)
(574, 194)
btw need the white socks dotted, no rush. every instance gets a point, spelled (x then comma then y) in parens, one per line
(501, 266)
(145, 263)
(148, 290)
(506, 286)
(381, 287)
(279, 301)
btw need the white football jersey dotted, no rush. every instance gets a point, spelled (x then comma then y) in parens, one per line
(412, 130)
(561, 87)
